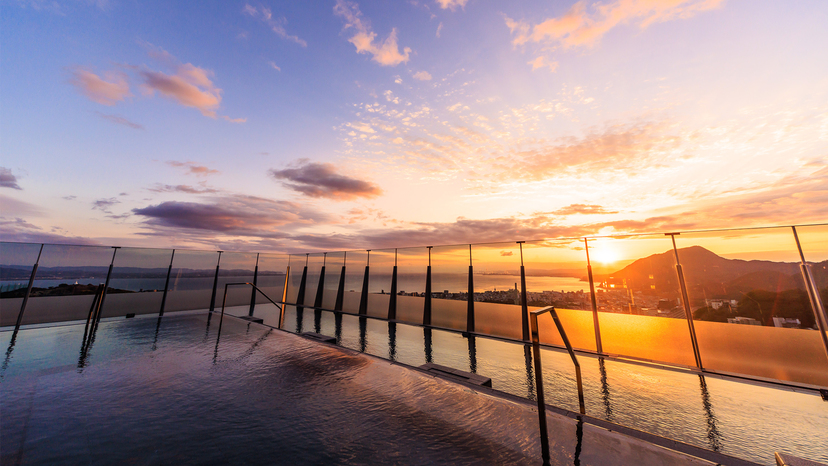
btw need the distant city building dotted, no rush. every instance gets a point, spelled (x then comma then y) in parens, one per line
(786, 322)
(743, 321)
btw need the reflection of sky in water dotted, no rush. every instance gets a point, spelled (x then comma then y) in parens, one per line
(710, 412)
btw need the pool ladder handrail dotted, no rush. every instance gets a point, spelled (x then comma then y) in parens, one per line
(533, 323)
(224, 301)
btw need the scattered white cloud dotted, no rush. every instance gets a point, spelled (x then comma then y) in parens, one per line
(541, 62)
(386, 53)
(439, 29)
(119, 120)
(422, 76)
(452, 4)
(265, 15)
(585, 24)
(274, 66)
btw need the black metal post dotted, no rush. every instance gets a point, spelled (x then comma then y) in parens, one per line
(686, 300)
(340, 289)
(253, 291)
(544, 434)
(427, 303)
(470, 302)
(392, 300)
(215, 284)
(321, 288)
(166, 285)
(300, 296)
(813, 295)
(598, 344)
(524, 305)
(26, 296)
(108, 276)
(363, 299)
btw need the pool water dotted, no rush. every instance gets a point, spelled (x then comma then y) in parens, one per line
(746, 420)
(259, 396)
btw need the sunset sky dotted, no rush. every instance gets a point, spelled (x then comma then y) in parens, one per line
(329, 125)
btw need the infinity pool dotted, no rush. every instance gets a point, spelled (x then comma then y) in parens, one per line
(741, 419)
(258, 396)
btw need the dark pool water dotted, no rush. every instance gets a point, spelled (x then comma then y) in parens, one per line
(745, 420)
(258, 396)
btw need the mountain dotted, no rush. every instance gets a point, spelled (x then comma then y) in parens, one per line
(710, 276)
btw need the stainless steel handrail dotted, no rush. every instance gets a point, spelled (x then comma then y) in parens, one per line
(533, 321)
(224, 301)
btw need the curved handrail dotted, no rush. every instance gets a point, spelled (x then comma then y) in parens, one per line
(224, 301)
(533, 321)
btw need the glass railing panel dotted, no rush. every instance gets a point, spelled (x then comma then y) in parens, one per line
(814, 242)
(556, 275)
(297, 264)
(639, 299)
(379, 281)
(67, 278)
(497, 308)
(236, 267)
(412, 264)
(191, 282)
(16, 263)
(272, 268)
(355, 262)
(741, 278)
(137, 283)
(315, 262)
(333, 272)
(449, 286)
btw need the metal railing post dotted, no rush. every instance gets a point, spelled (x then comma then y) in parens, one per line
(340, 289)
(686, 300)
(598, 345)
(300, 295)
(215, 283)
(363, 299)
(166, 285)
(26, 296)
(470, 304)
(108, 276)
(392, 301)
(317, 302)
(253, 291)
(813, 294)
(427, 301)
(524, 304)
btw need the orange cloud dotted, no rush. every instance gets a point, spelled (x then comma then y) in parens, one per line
(192, 168)
(190, 86)
(386, 53)
(107, 92)
(579, 27)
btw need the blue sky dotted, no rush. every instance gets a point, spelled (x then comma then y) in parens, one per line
(335, 124)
